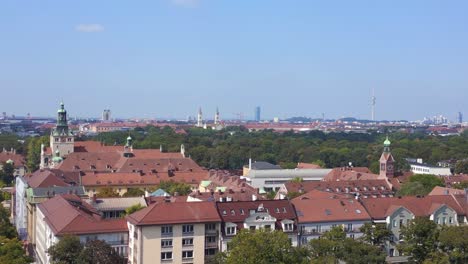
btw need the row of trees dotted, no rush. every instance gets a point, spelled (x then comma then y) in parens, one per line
(422, 240)
(69, 250)
(230, 148)
(11, 248)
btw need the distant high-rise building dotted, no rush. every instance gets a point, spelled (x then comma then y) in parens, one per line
(257, 113)
(200, 118)
(216, 117)
(460, 117)
(106, 115)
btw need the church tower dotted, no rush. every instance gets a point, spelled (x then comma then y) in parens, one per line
(216, 117)
(61, 138)
(200, 118)
(387, 161)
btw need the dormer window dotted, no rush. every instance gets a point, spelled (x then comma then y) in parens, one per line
(224, 212)
(231, 230)
(277, 210)
(242, 211)
(288, 227)
(233, 212)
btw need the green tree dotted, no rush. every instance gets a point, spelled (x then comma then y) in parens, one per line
(7, 173)
(134, 192)
(6, 228)
(173, 187)
(453, 241)
(297, 180)
(66, 251)
(334, 247)
(462, 185)
(136, 207)
(33, 157)
(107, 192)
(420, 184)
(461, 166)
(12, 252)
(261, 247)
(419, 239)
(99, 252)
(375, 234)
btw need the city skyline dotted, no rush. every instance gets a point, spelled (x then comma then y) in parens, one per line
(166, 58)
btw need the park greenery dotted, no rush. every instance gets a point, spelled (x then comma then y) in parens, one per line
(231, 147)
(69, 250)
(11, 248)
(420, 184)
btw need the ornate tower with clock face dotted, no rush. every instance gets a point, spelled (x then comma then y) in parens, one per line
(61, 138)
(387, 161)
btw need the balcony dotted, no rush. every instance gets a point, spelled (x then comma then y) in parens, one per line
(117, 242)
(211, 245)
(211, 232)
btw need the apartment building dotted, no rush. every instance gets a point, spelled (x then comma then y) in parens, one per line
(69, 215)
(174, 232)
(318, 212)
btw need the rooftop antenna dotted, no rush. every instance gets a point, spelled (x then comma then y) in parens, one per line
(373, 104)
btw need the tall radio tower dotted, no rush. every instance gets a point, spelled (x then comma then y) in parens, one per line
(373, 104)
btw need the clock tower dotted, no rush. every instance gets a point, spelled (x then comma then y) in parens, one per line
(387, 161)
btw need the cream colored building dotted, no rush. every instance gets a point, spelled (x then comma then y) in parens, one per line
(174, 233)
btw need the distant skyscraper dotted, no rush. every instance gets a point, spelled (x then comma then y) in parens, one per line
(373, 105)
(257, 113)
(106, 115)
(460, 117)
(200, 118)
(216, 118)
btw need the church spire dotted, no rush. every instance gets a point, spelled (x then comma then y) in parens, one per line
(199, 118)
(387, 161)
(216, 118)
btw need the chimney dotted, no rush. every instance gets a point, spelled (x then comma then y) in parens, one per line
(420, 161)
(146, 193)
(254, 197)
(250, 163)
(221, 199)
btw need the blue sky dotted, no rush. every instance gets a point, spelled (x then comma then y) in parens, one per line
(165, 58)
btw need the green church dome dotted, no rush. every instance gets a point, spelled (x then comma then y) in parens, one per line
(387, 142)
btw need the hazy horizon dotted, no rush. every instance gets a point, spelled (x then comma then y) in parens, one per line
(167, 58)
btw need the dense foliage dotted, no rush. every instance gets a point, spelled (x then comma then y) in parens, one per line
(261, 247)
(420, 184)
(11, 249)
(231, 148)
(69, 250)
(425, 242)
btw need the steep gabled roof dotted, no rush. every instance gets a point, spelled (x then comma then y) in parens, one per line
(161, 213)
(67, 214)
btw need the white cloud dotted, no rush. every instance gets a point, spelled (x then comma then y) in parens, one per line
(89, 28)
(186, 3)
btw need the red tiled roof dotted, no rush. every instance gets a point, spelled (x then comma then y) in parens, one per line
(17, 159)
(318, 206)
(280, 209)
(175, 213)
(67, 214)
(302, 165)
(419, 206)
(353, 173)
(445, 191)
(52, 177)
(370, 187)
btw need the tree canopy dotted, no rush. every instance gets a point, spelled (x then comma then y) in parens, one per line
(261, 247)
(420, 184)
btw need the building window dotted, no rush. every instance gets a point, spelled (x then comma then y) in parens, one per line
(233, 212)
(252, 227)
(394, 223)
(350, 227)
(210, 239)
(187, 229)
(166, 243)
(210, 251)
(135, 235)
(187, 242)
(242, 211)
(210, 227)
(166, 230)
(187, 254)
(166, 255)
(319, 228)
(443, 220)
(288, 227)
(450, 220)
(230, 230)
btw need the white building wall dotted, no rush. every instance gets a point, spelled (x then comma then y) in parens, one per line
(314, 230)
(21, 212)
